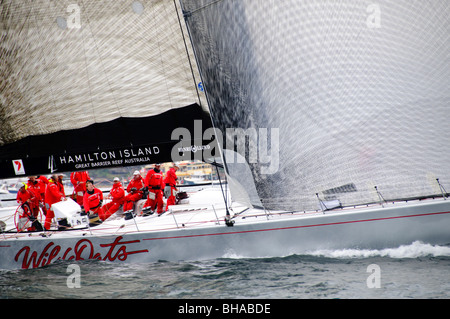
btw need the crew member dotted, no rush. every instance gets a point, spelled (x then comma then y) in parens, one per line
(170, 191)
(42, 183)
(79, 180)
(52, 196)
(93, 200)
(27, 196)
(117, 196)
(155, 183)
(61, 184)
(34, 185)
(134, 190)
(38, 185)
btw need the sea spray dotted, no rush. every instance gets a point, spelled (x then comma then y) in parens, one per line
(414, 250)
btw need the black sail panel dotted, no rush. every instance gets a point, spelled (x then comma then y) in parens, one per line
(120, 142)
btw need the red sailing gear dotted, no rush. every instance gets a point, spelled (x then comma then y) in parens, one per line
(61, 186)
(25, 195)
(52, 196)
(34, 186)
(171, 180)
(42, 183)
(78, 180)
(154, 178)
(133, 195)
(155, 183)
(29, 193)
(117, 194)
(137, 183)
(92, 202)
(30, 197)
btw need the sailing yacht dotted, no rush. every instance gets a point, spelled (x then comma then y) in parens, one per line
(329, 119)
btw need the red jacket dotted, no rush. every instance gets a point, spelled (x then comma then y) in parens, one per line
(117, 193)
(136, 183)
(34, 187)
(52, 194)
(61, 187)
(78, 180)
(154, 179)
(171, 178)
(23, 197)
(42, 183)
(92, 200)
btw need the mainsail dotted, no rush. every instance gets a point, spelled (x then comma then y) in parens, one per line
(359, 92)
(89, 84)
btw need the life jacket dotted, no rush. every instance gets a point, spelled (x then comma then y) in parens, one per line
(92, 199)
(78, 180)
(138, 184)
(34, 187)
(22, 197)
(154, 179)
(171, 178)
(117, 193)
(52, 194)
(42, 183)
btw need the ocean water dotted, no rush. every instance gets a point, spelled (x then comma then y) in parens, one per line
(414, 271)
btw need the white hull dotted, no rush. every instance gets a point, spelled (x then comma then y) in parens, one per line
(192, 232)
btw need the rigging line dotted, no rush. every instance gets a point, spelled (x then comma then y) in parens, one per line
(228, 220)
(203, 7)
(221, 155)
(187, 53)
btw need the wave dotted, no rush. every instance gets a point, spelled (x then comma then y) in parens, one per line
(415, 250)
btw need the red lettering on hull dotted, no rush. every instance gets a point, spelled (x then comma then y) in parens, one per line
(51, 252)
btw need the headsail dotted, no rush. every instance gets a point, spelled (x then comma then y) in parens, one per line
(359, 91)
(90, 84)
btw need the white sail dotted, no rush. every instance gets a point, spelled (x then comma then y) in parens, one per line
(360, 92)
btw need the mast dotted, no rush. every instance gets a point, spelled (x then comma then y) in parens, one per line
(228, 221)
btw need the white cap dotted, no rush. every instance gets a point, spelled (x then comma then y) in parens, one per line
(116, 179)
(136, 173)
